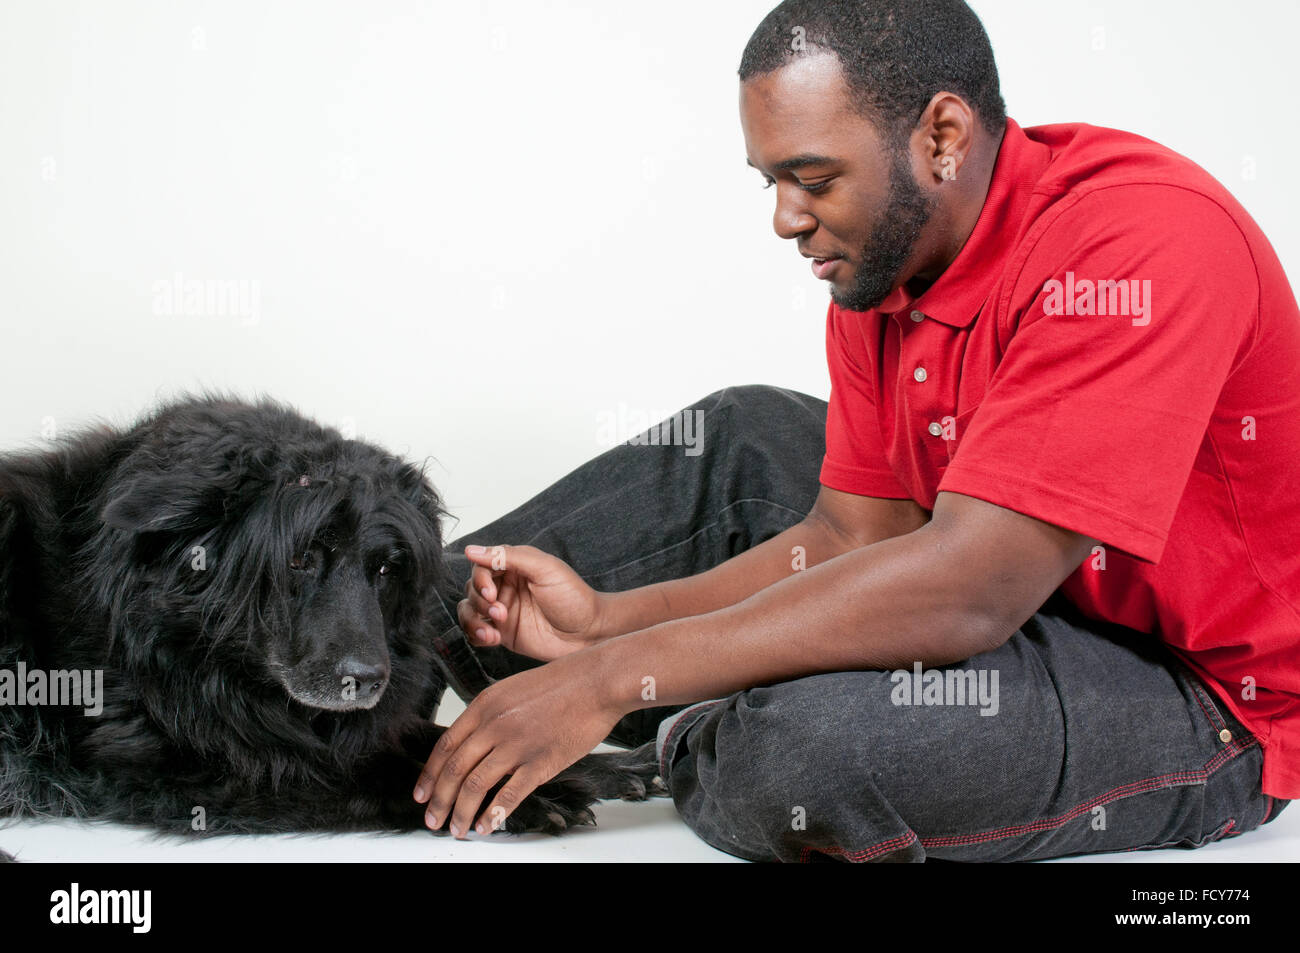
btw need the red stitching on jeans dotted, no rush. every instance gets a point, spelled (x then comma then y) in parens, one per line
(857, 856)
(1216, 722)
(1177, 779)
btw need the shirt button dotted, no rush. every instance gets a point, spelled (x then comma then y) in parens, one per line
(919, 374)
(918, 317)
(935, 430)
(1225, 736)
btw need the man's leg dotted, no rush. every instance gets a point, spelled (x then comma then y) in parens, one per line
(1096, 739)
(640, 514)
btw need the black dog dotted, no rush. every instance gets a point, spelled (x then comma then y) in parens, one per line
(259, 595)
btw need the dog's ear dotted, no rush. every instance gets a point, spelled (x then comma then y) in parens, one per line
(420, 492)
(424, 499)
(175, 500)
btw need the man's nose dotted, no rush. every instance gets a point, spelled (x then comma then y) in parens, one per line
(791, 219)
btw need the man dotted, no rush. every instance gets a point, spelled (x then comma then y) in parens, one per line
(1046, 599)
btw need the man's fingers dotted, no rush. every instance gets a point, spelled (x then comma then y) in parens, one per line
(529, 561)
(459, 764)
(485, 776)
(489, 597)
(523, 783)
(482, 584)
(484, 606)
(445, 749)
(480, 631)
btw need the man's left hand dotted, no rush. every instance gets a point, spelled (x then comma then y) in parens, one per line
(531, 725)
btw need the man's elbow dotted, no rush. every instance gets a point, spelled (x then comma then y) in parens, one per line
(991, 629)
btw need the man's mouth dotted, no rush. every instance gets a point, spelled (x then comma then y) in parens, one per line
(822, 267)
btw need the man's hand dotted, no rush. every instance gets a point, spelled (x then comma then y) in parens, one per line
(530, 602)
(532, 726)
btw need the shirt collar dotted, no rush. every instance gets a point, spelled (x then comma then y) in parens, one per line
(960, 292)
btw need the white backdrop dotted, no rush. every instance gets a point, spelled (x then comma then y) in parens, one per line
(476, 232)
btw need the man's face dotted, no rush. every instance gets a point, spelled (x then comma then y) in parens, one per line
(848, 197)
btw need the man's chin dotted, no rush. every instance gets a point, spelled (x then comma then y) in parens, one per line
(860, 295)
(854, 299)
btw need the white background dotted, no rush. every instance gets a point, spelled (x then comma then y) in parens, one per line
(476, 228)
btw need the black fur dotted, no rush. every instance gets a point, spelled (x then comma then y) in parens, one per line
(220, 561)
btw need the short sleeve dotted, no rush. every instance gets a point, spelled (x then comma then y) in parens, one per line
(1092, 421)
(855, 460)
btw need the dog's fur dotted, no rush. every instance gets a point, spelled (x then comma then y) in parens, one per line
(260, 594)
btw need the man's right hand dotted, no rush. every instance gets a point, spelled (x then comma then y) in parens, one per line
(528, 601)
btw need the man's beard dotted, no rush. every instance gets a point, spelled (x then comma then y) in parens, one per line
(891, 241)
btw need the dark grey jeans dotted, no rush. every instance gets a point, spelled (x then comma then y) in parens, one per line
(1072, 737)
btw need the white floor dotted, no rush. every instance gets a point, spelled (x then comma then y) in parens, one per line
(649, 831)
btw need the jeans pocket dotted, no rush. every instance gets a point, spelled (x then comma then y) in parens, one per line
(1222, 722)
(1234, 765)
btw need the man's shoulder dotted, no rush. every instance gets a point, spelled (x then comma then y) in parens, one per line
(1105, 186)
(1144, 182)
(1086, 157)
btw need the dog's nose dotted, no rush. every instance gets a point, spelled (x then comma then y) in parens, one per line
(368, 678)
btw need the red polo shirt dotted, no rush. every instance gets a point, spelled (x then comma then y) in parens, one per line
(1115, 350)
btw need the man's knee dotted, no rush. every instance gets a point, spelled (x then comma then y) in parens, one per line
(772, 747)
(778, 773)
(761, 405)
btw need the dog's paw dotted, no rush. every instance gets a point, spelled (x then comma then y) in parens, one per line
(554, 808)
(627, 775)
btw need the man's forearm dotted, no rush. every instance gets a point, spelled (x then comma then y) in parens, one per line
(805, 544)
(884, 606)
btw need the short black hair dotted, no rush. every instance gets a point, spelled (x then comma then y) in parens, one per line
(896, 54)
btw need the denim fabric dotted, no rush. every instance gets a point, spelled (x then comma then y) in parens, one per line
(1100, 740)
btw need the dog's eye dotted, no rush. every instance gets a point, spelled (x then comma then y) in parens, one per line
(385, 569)
(302, 561)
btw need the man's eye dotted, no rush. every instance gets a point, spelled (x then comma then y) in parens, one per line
(814, 187)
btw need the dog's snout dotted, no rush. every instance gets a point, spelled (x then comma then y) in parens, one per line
(368, 677)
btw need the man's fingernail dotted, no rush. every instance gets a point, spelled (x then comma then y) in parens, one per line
(432, 821)
(455, 831)
(419, 793)
(481, 633)
(481, 829)
(475, 550)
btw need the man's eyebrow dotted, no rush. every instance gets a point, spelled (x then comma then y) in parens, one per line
(796, 162)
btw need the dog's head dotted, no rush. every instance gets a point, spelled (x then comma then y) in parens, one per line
(304, 558)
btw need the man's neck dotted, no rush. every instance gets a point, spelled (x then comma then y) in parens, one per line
(960, 215)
